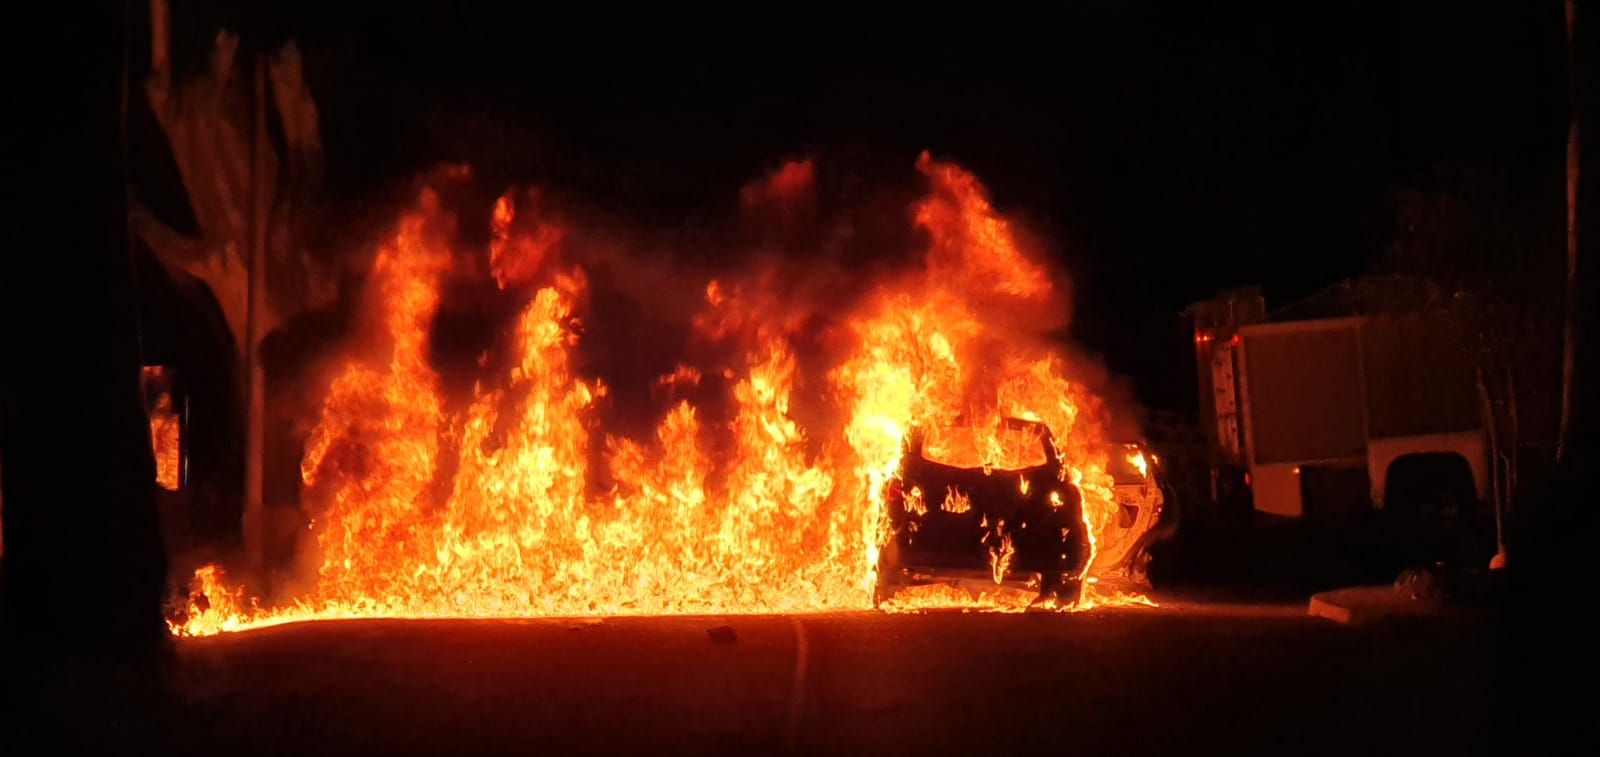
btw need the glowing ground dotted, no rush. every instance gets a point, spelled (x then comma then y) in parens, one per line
(1235, 679)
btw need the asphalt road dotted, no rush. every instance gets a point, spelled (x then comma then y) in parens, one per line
(1239, 680)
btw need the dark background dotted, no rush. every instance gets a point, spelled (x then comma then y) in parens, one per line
(1164, 152)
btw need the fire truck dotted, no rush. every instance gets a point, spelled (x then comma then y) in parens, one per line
(1325, 413)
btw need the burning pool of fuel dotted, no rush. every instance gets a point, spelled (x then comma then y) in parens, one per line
(518, 501)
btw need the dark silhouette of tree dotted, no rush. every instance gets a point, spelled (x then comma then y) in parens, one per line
(252, 198)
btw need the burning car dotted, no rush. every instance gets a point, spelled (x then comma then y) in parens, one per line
(987, 505)
(516, 499)
(971, 506)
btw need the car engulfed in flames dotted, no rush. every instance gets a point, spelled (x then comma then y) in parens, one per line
(791, 471)
(958, 511)
(974, 508)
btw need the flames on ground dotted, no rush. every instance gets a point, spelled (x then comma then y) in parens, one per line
(516, 502)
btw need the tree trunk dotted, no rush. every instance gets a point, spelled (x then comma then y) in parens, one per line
(255, 329)
(1569, 331)
(1496, 488)
(1514, 446)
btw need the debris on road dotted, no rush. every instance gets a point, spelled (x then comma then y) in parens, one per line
(1361, 604)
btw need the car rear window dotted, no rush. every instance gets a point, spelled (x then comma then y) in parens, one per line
(1006, 447)
(1127, 464)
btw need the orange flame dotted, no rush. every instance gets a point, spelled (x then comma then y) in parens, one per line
(1136, 459)
(500, 509)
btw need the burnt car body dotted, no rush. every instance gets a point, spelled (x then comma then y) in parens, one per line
(953, 520)
(1141, 496)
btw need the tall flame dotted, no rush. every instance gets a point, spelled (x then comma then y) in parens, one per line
(516, 504)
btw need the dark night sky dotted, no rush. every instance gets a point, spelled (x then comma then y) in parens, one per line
(1165, 153)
